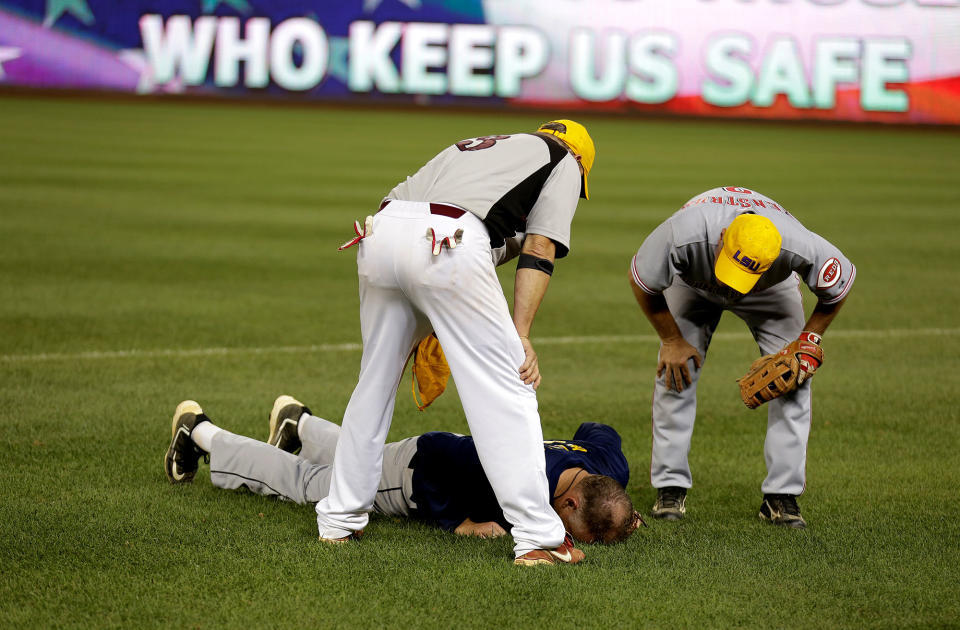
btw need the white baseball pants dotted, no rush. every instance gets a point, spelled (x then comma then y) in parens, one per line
(405, 291)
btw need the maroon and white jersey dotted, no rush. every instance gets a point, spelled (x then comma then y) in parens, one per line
(516, 184)
(685, 245)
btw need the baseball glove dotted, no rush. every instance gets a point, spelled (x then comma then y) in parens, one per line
(774, 375)
(430, 371)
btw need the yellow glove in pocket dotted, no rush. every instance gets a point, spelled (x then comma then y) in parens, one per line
(430, 371)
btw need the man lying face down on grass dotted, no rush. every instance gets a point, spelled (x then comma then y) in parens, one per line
(436, 477)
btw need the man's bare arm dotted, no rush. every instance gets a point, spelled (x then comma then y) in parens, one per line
(821, 316)
(530, 285)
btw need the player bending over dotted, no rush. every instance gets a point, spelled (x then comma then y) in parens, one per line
(733, 249)
(426, 261)
(435, 477)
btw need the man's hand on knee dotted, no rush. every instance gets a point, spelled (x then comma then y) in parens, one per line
(673, 361)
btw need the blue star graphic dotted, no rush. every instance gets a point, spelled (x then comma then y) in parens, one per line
(240, 6)
(77, 8)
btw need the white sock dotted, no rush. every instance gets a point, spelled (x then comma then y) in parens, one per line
(202, 434)
(300, 424)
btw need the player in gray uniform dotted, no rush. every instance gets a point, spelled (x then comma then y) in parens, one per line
(426, 261)
(733, 249)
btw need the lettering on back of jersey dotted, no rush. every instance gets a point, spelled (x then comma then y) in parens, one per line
(730, 200)
(562, 445)
(477, 144)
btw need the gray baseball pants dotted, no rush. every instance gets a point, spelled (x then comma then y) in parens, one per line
(237, 461)
(775, 317)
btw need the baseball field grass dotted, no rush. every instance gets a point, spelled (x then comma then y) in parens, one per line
(157, 251)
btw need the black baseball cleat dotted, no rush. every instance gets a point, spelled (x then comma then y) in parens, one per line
(782, 509)
(183, 456)
(284, 421)
(671, 503)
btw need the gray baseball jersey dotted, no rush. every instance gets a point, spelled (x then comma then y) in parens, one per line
(685, 245)
(515, 184)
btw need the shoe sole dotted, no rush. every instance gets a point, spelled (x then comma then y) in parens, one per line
(533, 562)
(187, 406)
(523, 562)
(354, 537)
(668, 516)
(796, 524)
(551, 557)
(278, 405)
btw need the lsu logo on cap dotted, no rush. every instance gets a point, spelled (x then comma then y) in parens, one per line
(751, 243)
(746, 261)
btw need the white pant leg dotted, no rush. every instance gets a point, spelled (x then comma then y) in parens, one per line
(674, 413)
(461, 294)
(776, 318)
(390, 326)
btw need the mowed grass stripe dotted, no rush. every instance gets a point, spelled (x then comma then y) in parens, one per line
(143, 231)
(352, 347)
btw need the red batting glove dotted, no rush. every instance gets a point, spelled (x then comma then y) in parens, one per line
(810, 355)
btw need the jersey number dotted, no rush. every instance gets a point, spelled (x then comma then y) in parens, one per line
(563, 445)
(483, 142)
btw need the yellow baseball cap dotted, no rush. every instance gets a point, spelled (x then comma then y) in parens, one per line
(576, 137)
(750, 245)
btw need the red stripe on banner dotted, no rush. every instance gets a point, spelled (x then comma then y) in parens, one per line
(936, 101)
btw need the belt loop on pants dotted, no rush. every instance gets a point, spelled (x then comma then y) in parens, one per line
(443, 209)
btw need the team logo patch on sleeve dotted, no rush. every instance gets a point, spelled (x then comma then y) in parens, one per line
(829, 275)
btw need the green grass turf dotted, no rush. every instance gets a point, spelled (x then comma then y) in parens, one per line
(179, 226)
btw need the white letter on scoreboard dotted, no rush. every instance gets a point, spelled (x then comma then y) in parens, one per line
(314, 50)
(781, 72)
(583, 63)
(423, 48)
(522, 52)
(471, 47)
(885, 61)
(725, 60)
(655, 78)
(231, 50)
(180, 49)
(370, 63)
(835, 61)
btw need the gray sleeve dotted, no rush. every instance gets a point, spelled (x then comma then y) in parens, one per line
(509, 250)
(825, 269)
(553, 212)
(655, 263)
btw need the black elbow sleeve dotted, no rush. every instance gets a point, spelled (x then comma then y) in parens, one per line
(526, 261)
